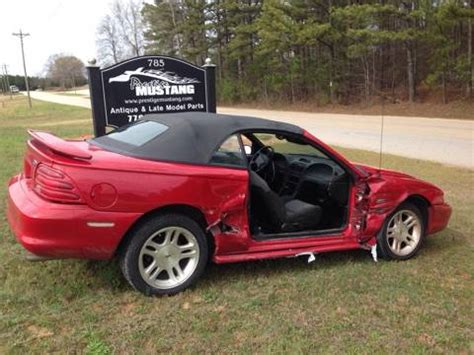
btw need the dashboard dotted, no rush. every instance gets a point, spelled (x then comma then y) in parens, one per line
(307, 177)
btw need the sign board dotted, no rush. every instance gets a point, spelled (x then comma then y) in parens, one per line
(126, 91)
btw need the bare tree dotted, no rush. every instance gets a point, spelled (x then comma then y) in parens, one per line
(130, 24)
(65, 70)
(110, 48)
(120, 34)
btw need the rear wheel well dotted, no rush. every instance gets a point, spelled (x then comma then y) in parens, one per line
(186, 210)
(422, 204)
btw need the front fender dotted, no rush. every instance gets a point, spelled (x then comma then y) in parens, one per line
(388, 191)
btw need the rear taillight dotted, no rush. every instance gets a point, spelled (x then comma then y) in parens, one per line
(53, 185)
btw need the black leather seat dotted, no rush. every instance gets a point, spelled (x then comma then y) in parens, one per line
(278, 214)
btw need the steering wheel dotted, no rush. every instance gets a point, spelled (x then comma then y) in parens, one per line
(262, 158)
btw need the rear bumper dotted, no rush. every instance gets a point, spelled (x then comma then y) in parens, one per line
(54, 230)
(439, 217)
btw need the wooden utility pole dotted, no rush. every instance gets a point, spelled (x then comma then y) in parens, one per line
(22, 35)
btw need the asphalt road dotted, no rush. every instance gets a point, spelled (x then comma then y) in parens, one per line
(73, 100)
(447, 141)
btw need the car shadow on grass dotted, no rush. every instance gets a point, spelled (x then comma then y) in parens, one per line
(433, 246)
(107, 275)
(282, 266)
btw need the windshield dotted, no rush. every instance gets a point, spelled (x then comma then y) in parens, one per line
(285, 145)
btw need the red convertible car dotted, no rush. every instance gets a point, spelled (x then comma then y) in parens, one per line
(169, 192)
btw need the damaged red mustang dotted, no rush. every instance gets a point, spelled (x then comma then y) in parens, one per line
(169, 192)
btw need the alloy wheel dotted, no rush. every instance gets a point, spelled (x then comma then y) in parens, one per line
(404, 232)
(168, 257)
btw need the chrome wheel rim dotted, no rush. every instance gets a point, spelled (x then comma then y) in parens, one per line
(403, 232)
(168, 257)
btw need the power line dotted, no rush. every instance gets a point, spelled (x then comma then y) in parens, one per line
(22, 35)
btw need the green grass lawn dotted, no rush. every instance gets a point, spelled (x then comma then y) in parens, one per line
(341, 302)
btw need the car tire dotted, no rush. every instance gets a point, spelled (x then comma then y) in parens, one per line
(164, 255)
(402, 234)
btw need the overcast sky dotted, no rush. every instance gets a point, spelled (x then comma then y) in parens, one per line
(55, 26)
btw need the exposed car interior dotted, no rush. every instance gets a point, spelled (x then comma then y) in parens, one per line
(294, 187)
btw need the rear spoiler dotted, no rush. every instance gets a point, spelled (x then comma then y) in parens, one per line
(59, 145)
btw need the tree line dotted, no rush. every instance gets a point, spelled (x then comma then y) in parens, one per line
(35, 82)
(338, 51)
(61, 70)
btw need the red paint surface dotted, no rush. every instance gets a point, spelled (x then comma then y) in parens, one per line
(120, 190)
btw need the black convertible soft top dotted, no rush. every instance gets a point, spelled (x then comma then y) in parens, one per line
(188, 137)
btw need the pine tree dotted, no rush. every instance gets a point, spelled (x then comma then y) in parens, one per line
(323, 50)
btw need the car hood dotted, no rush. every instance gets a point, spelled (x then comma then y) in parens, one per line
(387, 173)
(395, 183)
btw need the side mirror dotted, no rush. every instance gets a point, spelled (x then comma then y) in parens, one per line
(247, 149)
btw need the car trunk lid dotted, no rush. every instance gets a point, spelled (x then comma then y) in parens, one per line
(60, 146)
(43, 158)
(49, 149)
